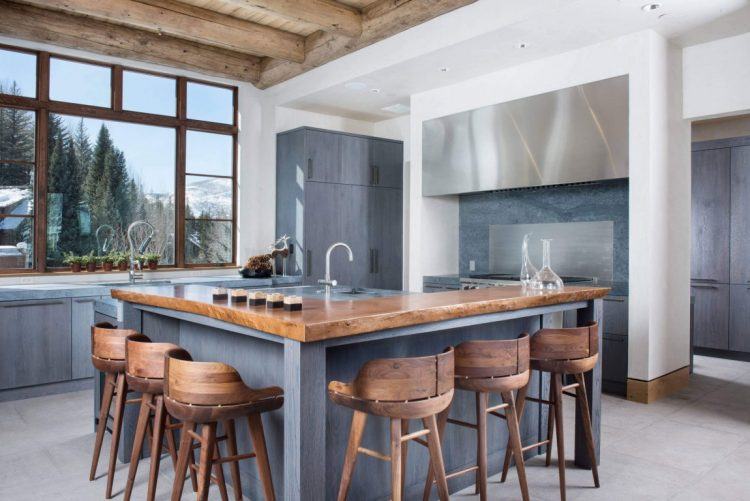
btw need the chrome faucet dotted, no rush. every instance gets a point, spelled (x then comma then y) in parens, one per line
(327, 282)
(132, 275)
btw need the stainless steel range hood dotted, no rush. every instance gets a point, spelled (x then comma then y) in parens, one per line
(572, 135)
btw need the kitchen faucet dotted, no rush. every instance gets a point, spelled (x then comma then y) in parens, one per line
(330, 284)
(132, 275)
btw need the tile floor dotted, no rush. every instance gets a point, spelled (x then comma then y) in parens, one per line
(692, 445)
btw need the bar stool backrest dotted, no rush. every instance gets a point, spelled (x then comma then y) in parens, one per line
(108, 342)
(566, 344)
(201, 383)
(401, 379)
(493, 358)
(145, 359)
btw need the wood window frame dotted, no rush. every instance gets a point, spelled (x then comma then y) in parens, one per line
(42, 105)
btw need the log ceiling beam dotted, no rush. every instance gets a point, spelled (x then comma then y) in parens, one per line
(380, 20)
(167, 17)
(325, 15)
(46, 26)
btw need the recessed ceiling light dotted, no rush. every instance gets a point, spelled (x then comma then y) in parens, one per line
(396, 108)
(522, 45)
(650, 7)
(375, 90)
(445, 69)
(355, 85)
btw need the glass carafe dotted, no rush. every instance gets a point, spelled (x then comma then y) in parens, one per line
(546, 279)
(528, 270)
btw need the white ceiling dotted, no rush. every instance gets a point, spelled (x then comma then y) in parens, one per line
(485, 37)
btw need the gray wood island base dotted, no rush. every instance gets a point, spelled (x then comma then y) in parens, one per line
(305, 444)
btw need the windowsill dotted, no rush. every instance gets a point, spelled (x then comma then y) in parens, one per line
(67, 276)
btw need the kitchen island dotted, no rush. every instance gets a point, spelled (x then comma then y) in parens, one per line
(330, 339)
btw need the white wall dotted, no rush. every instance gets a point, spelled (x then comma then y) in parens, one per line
(717, 77)
(659, 204)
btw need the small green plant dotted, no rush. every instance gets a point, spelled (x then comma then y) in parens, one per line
(71, 259)
(88, 259)
(109, 258)
(151, 258)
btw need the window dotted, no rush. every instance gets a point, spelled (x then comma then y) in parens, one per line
(149, 93)
(102, 176)
(117, 150)
(208, 198)
(17, 73)
(210, 103)
(17, 144)
(80, 83)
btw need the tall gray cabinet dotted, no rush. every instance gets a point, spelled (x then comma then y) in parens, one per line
(336, 187)
(720, 260)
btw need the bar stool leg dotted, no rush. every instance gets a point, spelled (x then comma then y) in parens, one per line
(482, 444)
(511, 417)
(121, 393)
(550, 428)
(109, 389)
(520, 406)
(157, 439)
(234, 466)
(140, 434)
(219, 472)
(258, 438)
(350, 459)
(208, 443)
(436, 456)
(404, 450)
(442, 420)
(587, 433)
(184, 453)
(557, 382)
(396, 466)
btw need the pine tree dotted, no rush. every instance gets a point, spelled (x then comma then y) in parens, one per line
(94, 188)
(64, 193)
(16, 141)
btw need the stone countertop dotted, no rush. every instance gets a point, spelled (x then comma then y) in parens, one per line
(322, 319)
(442, 279)
(73, 290)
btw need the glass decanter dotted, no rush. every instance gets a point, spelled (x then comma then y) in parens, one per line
(528, 270)
(546, 279)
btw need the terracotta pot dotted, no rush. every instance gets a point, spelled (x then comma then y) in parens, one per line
(75, 268)
(153, 265)
(107, 266)
(91, 267)
(123, 266)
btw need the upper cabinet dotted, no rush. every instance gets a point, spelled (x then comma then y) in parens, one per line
(710, 215)
(386, 163)
(740, 234)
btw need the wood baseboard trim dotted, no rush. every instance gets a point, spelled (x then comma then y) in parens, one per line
(646, 392)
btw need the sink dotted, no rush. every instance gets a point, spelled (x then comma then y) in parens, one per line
(354, 291)
(126, 283)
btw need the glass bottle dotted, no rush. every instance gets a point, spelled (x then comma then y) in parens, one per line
(528, 270)
(546, 279)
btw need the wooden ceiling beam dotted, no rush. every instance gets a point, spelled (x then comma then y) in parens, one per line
(380, 20)
(40, 25)
(325, 15)
(187, 22)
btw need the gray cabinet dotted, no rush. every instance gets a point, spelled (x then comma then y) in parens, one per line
(82, 318)
(333, 187)
(740, 233)
(739, 318)
(710, 215)
(36, 342)
(711, 322)
(615, 345)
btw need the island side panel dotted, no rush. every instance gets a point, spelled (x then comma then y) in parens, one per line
(593, 380)
(372, 477)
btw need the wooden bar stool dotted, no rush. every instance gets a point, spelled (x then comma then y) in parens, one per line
(486, 367)
(108, 356)
(400, 389)
(561, 352)
(208, 393)
(144, 373)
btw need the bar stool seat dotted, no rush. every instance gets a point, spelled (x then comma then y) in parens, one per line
(206, 394)
(400, 389)
(108, 356)
(564, 352)
(485, 367)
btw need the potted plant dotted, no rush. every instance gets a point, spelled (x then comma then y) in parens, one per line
(121, 260)
(152, 260)
(108, 261)
(73, 261)
(89, 261)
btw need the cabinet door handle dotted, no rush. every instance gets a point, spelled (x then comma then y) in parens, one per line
(377, 175)
(704, 286)
(372, 261)
(706, 280)
(615, 299)
(308, 264)
(377, 261)
(30, 304)
(309, 168)
(373, 179)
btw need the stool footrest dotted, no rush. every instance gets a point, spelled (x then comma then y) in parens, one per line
(415, 435)
(534, 446)
(372, 453)
(569, 387)
(232, 459)
(490, 410)
(458, 473)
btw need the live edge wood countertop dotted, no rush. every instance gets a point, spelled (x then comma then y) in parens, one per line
(321, 319)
